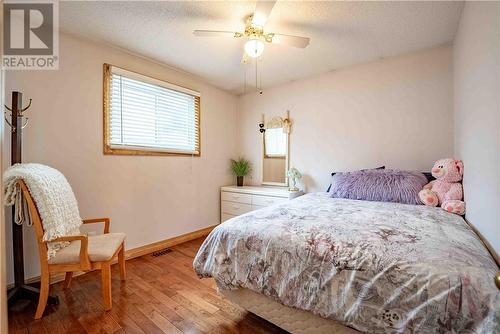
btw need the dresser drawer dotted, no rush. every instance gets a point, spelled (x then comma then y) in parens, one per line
(225, 216)
(233, 208)
(236, 197)
(266, 200)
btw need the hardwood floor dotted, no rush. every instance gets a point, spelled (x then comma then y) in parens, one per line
(161, 295)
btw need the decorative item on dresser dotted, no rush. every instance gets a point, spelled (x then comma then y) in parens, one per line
(236, 201)
(294, 175)
(240, 168)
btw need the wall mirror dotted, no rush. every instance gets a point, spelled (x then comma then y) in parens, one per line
(275, 147)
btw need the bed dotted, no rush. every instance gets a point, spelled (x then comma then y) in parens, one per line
(370, 266)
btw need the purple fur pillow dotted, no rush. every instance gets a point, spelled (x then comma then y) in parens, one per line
(383, 185)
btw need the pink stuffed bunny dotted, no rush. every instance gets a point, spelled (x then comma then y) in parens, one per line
(446, 190)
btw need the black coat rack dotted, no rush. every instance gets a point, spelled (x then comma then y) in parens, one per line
(17, 123)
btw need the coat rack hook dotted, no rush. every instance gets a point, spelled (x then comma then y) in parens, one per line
(25, 123)
(12, 128)
(27, 107)
(7, 108)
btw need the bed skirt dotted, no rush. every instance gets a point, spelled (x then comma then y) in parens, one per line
(290, 319)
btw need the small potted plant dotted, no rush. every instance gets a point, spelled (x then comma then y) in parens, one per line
(240, 168)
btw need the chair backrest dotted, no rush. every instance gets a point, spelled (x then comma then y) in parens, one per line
(36, 220)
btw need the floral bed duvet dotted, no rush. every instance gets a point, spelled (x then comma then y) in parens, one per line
(376, 267)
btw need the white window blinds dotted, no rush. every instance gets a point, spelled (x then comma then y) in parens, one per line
(152, 115)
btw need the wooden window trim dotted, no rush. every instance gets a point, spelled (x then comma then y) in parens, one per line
(109, 150)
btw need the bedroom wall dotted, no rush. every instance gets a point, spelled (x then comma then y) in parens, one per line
(396, 112)
(477, 114)
(149, 198)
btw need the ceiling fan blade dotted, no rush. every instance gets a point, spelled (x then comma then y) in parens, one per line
(216, 33)
(295, 41)
(262, 11)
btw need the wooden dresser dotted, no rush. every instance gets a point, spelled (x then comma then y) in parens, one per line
(236, 201)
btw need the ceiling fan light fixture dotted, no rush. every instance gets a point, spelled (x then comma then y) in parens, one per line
(254, 47)
(258, 19)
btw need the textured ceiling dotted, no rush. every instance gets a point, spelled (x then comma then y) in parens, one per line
(342, 34)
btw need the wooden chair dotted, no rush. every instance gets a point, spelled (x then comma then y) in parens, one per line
(82, 254)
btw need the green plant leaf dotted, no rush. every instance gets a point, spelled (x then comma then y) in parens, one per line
(241, 167)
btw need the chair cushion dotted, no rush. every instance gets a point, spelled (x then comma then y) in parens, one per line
(100, 248)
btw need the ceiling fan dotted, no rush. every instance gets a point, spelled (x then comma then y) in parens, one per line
(254, 32)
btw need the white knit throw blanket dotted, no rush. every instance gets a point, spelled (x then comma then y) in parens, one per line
(54, 199)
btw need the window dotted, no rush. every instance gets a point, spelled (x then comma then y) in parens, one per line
(147, 116)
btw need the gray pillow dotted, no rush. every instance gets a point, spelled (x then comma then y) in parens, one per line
(383, 185)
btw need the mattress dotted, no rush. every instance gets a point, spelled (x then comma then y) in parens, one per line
(290, 319)
(373, 266)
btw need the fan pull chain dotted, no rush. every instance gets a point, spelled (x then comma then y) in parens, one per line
(256, 86)
(260, 83)
(245, 78)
